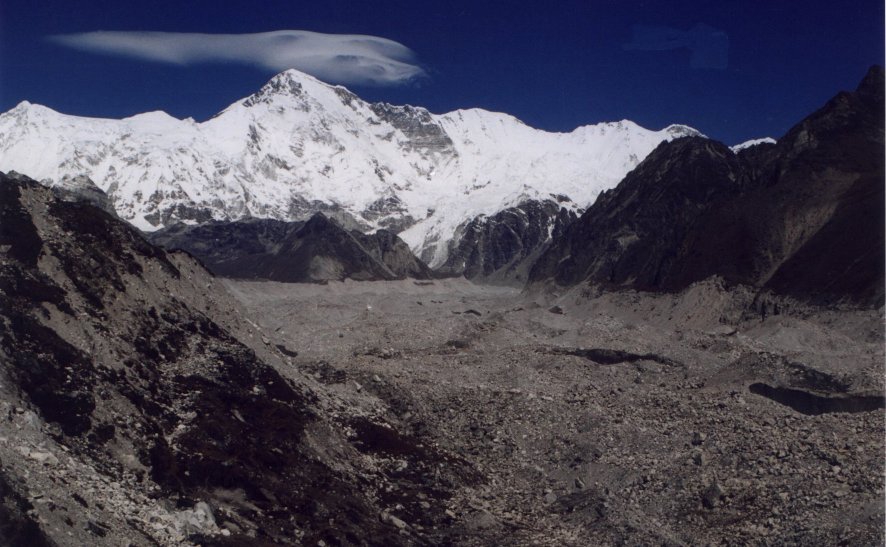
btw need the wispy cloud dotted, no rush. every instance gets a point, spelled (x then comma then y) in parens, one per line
(336, 58)
(709, 46)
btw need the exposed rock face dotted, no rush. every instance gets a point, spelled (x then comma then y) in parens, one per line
(501, 247)
(394, 253)
(215, 243)
(79, 188)
(423, 132)
(316, 250)
(627, 236)
(82, 188)
(802, 217)
(134, 413)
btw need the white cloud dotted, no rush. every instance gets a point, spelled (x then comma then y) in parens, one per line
(336, 58)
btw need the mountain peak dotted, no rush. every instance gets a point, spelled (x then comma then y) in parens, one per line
(295, 88)
(751, 143)
(289, 83)
(156, 120)
(678, 130)
(297, 76)
(873, 83)
(319, 222)
(29, 108)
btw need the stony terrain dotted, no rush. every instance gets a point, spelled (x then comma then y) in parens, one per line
(145, 402)
(139, 405)
(619, 419)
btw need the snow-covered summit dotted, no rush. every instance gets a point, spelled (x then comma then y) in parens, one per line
(299, 145)
(753, 142)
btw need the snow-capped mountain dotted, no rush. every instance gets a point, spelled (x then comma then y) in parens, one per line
(751, 143)
(299, 145)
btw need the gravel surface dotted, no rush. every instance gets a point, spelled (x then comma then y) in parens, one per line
(611, 419)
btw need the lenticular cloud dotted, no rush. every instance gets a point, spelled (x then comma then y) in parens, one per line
(337, 58)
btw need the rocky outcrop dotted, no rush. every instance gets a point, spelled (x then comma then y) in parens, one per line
(501, 247)
(802, 217)
(79, 188)
(423, 132)
(316, 250)
(140, 407)
(394, 253)
(82, 188)
(632, 234)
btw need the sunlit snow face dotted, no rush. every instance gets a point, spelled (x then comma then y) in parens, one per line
(277, 158)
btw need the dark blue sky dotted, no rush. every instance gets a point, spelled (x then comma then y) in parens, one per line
(555, 65)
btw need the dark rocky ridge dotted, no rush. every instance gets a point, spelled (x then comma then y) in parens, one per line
(316, 250)
(80, 188)
(803, 217)
(142, 416)
(501, 247)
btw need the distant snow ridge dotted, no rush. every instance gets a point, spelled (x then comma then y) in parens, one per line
(753, 142)
(298, 146)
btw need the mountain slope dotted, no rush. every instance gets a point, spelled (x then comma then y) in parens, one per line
(316, 250)
(299, 146)
(500, 248)
(141, 408)
(803, 216)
